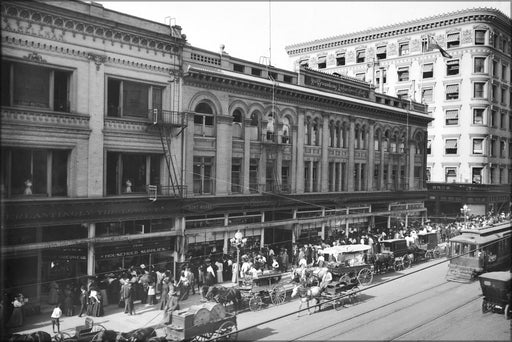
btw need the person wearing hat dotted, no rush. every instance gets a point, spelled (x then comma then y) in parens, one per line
(172, 305)
(127, 295)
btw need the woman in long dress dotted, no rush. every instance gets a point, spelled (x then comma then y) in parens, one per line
(165, 293)
(16, 319)
(53, 294)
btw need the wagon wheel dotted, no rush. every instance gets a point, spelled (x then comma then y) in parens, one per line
(486, 306)
(428, 254)
(97, 328)
(365, 276)
(255, 303)
(59, 337)
(407, 262)
(507, 311)
(227, 330)
(278, 295)
(345, 279)
(437, 252)
(397, 265)
(203, 337)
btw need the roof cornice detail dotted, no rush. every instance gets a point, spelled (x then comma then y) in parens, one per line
(477, 15)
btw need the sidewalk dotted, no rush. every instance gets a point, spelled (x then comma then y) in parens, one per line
(113, 319)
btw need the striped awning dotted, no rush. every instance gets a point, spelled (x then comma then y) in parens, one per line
(340, 54)
(402, 69)
(452, 37)
(360, 53)
(428, 67)
(452, 62)
(381, 49)
(322, 59)
(452, 88)
(451, 143)
(452, 114)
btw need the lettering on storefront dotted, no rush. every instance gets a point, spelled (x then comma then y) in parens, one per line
(198, 207)
(131, 253)
(133, 248)
(335, 87)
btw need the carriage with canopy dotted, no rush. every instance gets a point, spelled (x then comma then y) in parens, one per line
(348, 264)
(262, 289)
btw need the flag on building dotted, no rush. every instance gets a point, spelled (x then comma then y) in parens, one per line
(432, 44)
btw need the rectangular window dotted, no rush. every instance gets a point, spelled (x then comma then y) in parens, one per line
(476, 175)
(503, 96)
(494, 118)
(495, 68)
(479, 65)
(360, 56)
(452, 92)
(503, 72)
(424, 44)
(450, 174)
(503, 121)
(381, 52)
(429, 146)
(253, 175)
(478, 116)
(480, 37)
(479, 90)
(236, 175)
(322, 62)
(428, 70)
(287, 79)
(403, 49)
(361, 76)
(306, 176)
(315, 176)
(381, 76)
(203, 176)
(502, 149)
(35, 86)
(131, 172)
(494, 93)
(403, 74)
(133, 99)
(453, 40)
(255, 72)
(34, 172)
(478, 146)
(238, 68)
(452, 117)
(340, 59)
(402, 93)
(493, 147)
(427, 95)
(450, 146)
(452, 67)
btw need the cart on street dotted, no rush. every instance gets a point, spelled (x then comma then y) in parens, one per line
(496, 288)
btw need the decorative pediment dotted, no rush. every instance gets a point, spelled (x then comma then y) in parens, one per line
(453, 30)
(480, 27)
(35, 57)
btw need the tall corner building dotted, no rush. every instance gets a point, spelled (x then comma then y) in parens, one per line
(468, 93)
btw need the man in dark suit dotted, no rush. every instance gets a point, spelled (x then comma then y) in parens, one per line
(127, 296)
(84, 298)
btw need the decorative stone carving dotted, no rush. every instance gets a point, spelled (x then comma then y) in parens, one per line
(331, 59)
(351, 57)
(35, 57)
(441, 40)
(97, 59)
(466, 37)
(491, 37)
(392, 49)
(415, 45)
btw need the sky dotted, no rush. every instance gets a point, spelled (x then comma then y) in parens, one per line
(251, 30)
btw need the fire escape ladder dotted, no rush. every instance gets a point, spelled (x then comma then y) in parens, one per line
(166, 138)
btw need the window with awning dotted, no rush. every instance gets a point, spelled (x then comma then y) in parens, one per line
(381, 52)
(426, 94)
(453, 40)
(452, 117)
(428, 70)
(340, 58)
(322, 62)
(452, 91)
(403, 74)
(478, 146)
(452, 67)
(360, 56)
(450, 146)
(480, 37)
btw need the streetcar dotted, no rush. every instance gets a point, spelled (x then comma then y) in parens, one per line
(476, 251)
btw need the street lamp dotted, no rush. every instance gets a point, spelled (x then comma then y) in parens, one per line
(238, 241)
(464, 211)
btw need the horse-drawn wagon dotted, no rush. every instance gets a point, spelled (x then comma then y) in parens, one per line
(496, 288)
(393, 253)
(427, 246)
(263, 289)
(348, 264)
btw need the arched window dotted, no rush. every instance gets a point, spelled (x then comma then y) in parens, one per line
(392, 144)
(237, 123)
(203, 119)
(270, 127)
(385, 142)
(286, 131)
(376, 140)
(255, 129)
(237, 116)
(307, 132)
(357, 140)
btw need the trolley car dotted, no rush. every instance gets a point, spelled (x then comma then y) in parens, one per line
(476, 251)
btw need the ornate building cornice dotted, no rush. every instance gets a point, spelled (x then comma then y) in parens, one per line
(52, 119)
(448, 20)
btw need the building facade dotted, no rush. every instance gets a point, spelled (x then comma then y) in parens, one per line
(122, 144)
(468, 94)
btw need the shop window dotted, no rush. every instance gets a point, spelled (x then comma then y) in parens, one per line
(452, 67)
(479, 65)
(236, 175)
(453, 40)
(451, 174)
(452, 92)
(480, 37)
(478, 146)
(381, 52)
(34, 86)
(133, 99)
(450, 146)
(403, 49)
(428, 70)
(478, 116)
(35, 172)
(203, 175)
(403, 74)
(427, 95)
(476, 175)
(340, 59)
(129, 173)
(360, 56)
(203, 119)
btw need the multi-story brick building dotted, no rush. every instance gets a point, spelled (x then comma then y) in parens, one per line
(122, 144)
(468, 95)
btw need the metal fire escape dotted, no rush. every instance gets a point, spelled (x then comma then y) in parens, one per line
(170, 124)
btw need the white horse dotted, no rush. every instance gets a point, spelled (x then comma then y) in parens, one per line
(306, 294)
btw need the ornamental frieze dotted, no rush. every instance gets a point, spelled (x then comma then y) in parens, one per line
(466, 37)
(393, 50)
(48, 118)
(351, 56)
(415, 45)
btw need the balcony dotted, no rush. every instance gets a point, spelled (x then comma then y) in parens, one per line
(167, 117)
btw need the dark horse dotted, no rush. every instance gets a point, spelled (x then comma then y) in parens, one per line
(38, 336)
(137, 335)
(382, 261)
(223, 295)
